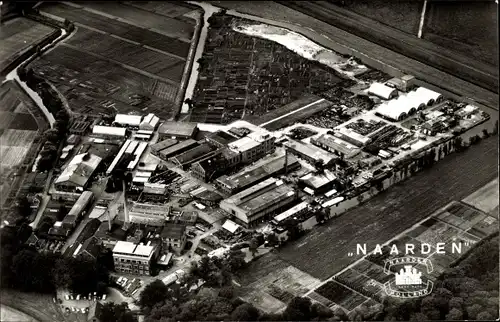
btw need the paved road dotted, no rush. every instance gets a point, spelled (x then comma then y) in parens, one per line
(323, 252)
(339, 40)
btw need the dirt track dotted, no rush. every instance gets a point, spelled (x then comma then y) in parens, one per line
(336, 39)
(323, 252)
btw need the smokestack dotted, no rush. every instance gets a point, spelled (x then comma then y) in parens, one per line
(109, 218)
(125, 209)
(286, 161)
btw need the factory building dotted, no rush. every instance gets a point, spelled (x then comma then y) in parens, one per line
(336, 146)
(162, 145)
(404, 84)
(148, 214)
(185, 159)
(130, 258)
(309, 152)
(173, 237)
(249, 206)
(253, 147)
(255, 174)
(318, 183)
(109, 132)
(130, 121)
(383, 91)
(173, 150)
(177, 130)
(76, 176)
(149, 123)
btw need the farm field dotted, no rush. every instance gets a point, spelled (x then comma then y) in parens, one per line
(248, 77)
(10, 314)
(402, 15)
(19, 34)
(486, 198)
(117, 62)
(466, 27)
(270, 283)
(20, 124)
(393, 211)
(366, 278)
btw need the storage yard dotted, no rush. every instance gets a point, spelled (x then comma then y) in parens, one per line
(227, 90)
(144, 69)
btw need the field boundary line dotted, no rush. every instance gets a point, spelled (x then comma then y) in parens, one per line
(134, 69)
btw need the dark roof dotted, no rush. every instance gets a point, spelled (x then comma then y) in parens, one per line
(178, 148)
(222, 137)
(163, 144)
(173, 230)
(92, 247)
(193, 154)
(94, 310)
(116, 233)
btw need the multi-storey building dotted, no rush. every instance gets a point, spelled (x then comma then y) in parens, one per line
(130, 258)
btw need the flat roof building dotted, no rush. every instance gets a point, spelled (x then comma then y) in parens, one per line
(252, 204)
(130, 258)
(255, 173)
(162, 145)
(149, 214)
(177, 130)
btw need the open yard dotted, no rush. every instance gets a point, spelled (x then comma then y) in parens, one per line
(486, 198)
(19, 34)
(121, 59)
(323, 252)
(38, 306)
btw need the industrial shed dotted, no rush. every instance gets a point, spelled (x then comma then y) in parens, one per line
(382, 91)
(400, 108)
(177, 130)
(128, 120)
(149, 123)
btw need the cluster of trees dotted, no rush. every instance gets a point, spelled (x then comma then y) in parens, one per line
(111, 312)
(53, 138)
(218, 272)
(468, 291)
(25, 269)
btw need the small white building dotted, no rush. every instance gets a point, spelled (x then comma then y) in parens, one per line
(382, 91)
(150, 122)
(128, 120)
(109, 131)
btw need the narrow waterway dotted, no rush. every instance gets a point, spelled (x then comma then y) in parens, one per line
(14, 76)
(208, 11)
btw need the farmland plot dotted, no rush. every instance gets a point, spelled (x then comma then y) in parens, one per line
(163, 8)
(19, 34)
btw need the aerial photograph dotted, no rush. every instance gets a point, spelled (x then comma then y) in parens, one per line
(165, 161)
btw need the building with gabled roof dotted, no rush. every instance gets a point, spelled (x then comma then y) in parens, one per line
(150, 122)
(76, 176)
(251, 205)
(128, 120)
(173, 236)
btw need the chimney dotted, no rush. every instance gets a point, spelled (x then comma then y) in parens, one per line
(286, 161)
(125, 209)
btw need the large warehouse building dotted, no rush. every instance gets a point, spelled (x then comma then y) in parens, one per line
(253, 204)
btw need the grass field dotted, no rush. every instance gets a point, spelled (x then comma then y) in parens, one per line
(323, 252)
(18, 34)
(486, 198)
(38, 306)
(10, 314)
(468, 27)
(403, 15)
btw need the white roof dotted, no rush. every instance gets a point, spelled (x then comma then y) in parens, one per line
(118, 157)
(332, 202)
(133, 120)
(151, 119)
(230, 226)
(146, 174)
(243, 144)
(140, 179)
(381, 90)
(132, 146)
(124, 247)
(109, 130)
(428, 93)
(143, 250)
(292, 211)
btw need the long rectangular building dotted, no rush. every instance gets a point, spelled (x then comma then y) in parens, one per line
(178, 148)
(256, 173)
(157, 147)
(253, 204)
(188, 157)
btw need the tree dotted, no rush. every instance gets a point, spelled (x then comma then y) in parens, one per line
(473, 311)
(454, 315)
(189, 102)
(272, 239)
(485, 133)
(111, 312)
(152, 294)
(485, 316)
(299, 309)
(245, 312)
(320, 216)
(418, 317)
